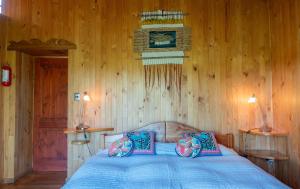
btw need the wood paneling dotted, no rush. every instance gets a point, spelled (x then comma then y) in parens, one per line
(229, 61)
(3, 37)
(9, 121)
(23, 115)
(17, 117)
(285, 30)
(16, 110)
(236, 46)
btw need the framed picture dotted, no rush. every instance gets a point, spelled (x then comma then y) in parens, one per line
(162, 39)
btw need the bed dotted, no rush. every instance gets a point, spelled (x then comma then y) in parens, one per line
(168, 171)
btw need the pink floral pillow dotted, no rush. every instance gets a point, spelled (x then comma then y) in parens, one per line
(188, 147)
(120, 148)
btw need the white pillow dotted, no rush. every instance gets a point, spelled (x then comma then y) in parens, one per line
(102, 152)
(169, 149)
(165, 148)
(227, 151)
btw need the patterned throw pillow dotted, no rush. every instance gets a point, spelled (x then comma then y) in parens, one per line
(143, 142)
(120, 148)
(208, 142)
(188, 147)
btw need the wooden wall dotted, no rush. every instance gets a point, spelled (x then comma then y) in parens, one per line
(285, 55)
(3, 30)
(24, 115)
(9, 122)
(15, 108)
(230, 61)
(17, 118)
(233, 56)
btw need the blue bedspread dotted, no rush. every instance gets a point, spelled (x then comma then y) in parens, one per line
(171, 172)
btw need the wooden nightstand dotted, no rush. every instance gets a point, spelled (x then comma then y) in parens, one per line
(270, 148)
(81, 148)
(83, 140)
(89, 130)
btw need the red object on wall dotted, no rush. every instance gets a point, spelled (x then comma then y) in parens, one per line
(6, 75)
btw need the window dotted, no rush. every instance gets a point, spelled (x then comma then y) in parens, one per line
(1, 6)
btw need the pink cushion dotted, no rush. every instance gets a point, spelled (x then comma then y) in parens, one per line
(120, 148)
(188, 147)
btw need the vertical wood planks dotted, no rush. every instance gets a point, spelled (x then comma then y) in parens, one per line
(286, 77)
(239, 47)
(24, 114)
(3, 36)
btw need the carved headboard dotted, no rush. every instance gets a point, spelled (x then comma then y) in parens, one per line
(169, 131)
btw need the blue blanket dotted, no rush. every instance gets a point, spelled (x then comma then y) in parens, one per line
(171, 172)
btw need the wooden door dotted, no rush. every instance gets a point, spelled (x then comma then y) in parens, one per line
(50, 107)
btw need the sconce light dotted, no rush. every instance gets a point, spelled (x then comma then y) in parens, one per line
(86, 97)
(264, 128)
(252, 99)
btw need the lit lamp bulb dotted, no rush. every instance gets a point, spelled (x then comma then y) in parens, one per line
(86, 97)
(252, 99)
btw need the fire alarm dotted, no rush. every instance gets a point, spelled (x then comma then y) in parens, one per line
(6, 74)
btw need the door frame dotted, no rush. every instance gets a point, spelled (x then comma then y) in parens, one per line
(54, 47)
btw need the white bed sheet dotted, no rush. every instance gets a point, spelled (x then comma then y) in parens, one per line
(171, 172)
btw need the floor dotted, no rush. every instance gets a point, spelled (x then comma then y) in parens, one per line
(38, 180)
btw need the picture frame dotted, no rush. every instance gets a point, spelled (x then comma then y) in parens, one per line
(162, 39)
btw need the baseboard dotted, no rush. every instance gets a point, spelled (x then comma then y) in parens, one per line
(13, 180)
(8, 180)
(23, 174)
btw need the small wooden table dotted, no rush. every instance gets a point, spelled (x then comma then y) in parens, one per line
(269, 155)
(89, 130)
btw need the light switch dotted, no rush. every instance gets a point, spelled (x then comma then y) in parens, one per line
(76, 96)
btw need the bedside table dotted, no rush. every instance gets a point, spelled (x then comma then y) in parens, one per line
(89, 130)
(80, 147)
(271, 148)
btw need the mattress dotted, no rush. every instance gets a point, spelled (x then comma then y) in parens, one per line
(171, 172)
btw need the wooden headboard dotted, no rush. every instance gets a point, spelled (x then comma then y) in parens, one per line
(169, 131)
